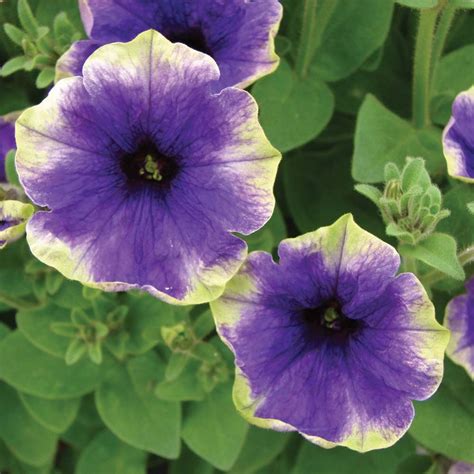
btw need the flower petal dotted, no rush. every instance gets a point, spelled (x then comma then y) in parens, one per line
(238, 34)
(458, 138)
(459, 319)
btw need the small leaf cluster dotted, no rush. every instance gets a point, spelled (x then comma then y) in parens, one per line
(41, 46)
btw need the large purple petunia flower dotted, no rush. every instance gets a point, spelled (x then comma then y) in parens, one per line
(238, 34)
(329, 342)
(458, 138)
(146, 172)
(459, 319)
(7, 141)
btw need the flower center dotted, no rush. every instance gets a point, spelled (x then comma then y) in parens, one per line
(194, 38)
(328, 321)
(148, 164)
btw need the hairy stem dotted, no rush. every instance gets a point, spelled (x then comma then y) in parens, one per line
(444, 25)
(306, 46)
(422, 67)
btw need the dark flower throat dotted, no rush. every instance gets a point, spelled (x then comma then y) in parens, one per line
(328, 321)
(148, 164)
(194, 38)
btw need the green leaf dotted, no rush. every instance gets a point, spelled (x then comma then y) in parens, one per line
(4, 331)
(418, 3)
(188, 462)
(36, 325)
(106, 454)
(461, 222)
(463, 4)
(37, 373)
(25, 437)
(444, 423)
(370, 192)
(353, 33)
(47, 10)
(184, 388)
(86, 425)
(261, 447)
(45, 78)
(54, 415)
(414, 464)
(13, 96)
(10, 168)
(439, 251)
(13, 282)
(454, 74)
(129, 408)
(213, 429)
(14, 33)
(13, 65)
(176, 364)
(382, 137)
(319, 188)
(293, 111)
(146, 314)
(27, 19)
(344, 461)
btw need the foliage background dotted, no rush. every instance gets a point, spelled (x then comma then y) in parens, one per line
(339, 107)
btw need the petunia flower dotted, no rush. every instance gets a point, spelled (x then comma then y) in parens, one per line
(7, 141)
(458, 138)
(238, 34)
(145, 173)
(459, 319)
(328, 341)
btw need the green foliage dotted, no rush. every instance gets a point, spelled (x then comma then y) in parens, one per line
(106, 454)
(41, 45)
(28, 440)
(382, 137)
(439, 251)
(443, 424)
(37, 373)
(213, 430)
(343, 461)
(127, 405)
(293, 110)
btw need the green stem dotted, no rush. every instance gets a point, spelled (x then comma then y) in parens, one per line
(410, 265)
(444, 25)
(17, 303)
(306, 47)
(422, 67)
(465, 258)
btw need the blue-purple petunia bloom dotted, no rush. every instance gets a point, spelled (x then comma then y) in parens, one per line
(145, 173)
(458, 138)
(459, 319)
(328, 341)
(238, 34)
(7, 141)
